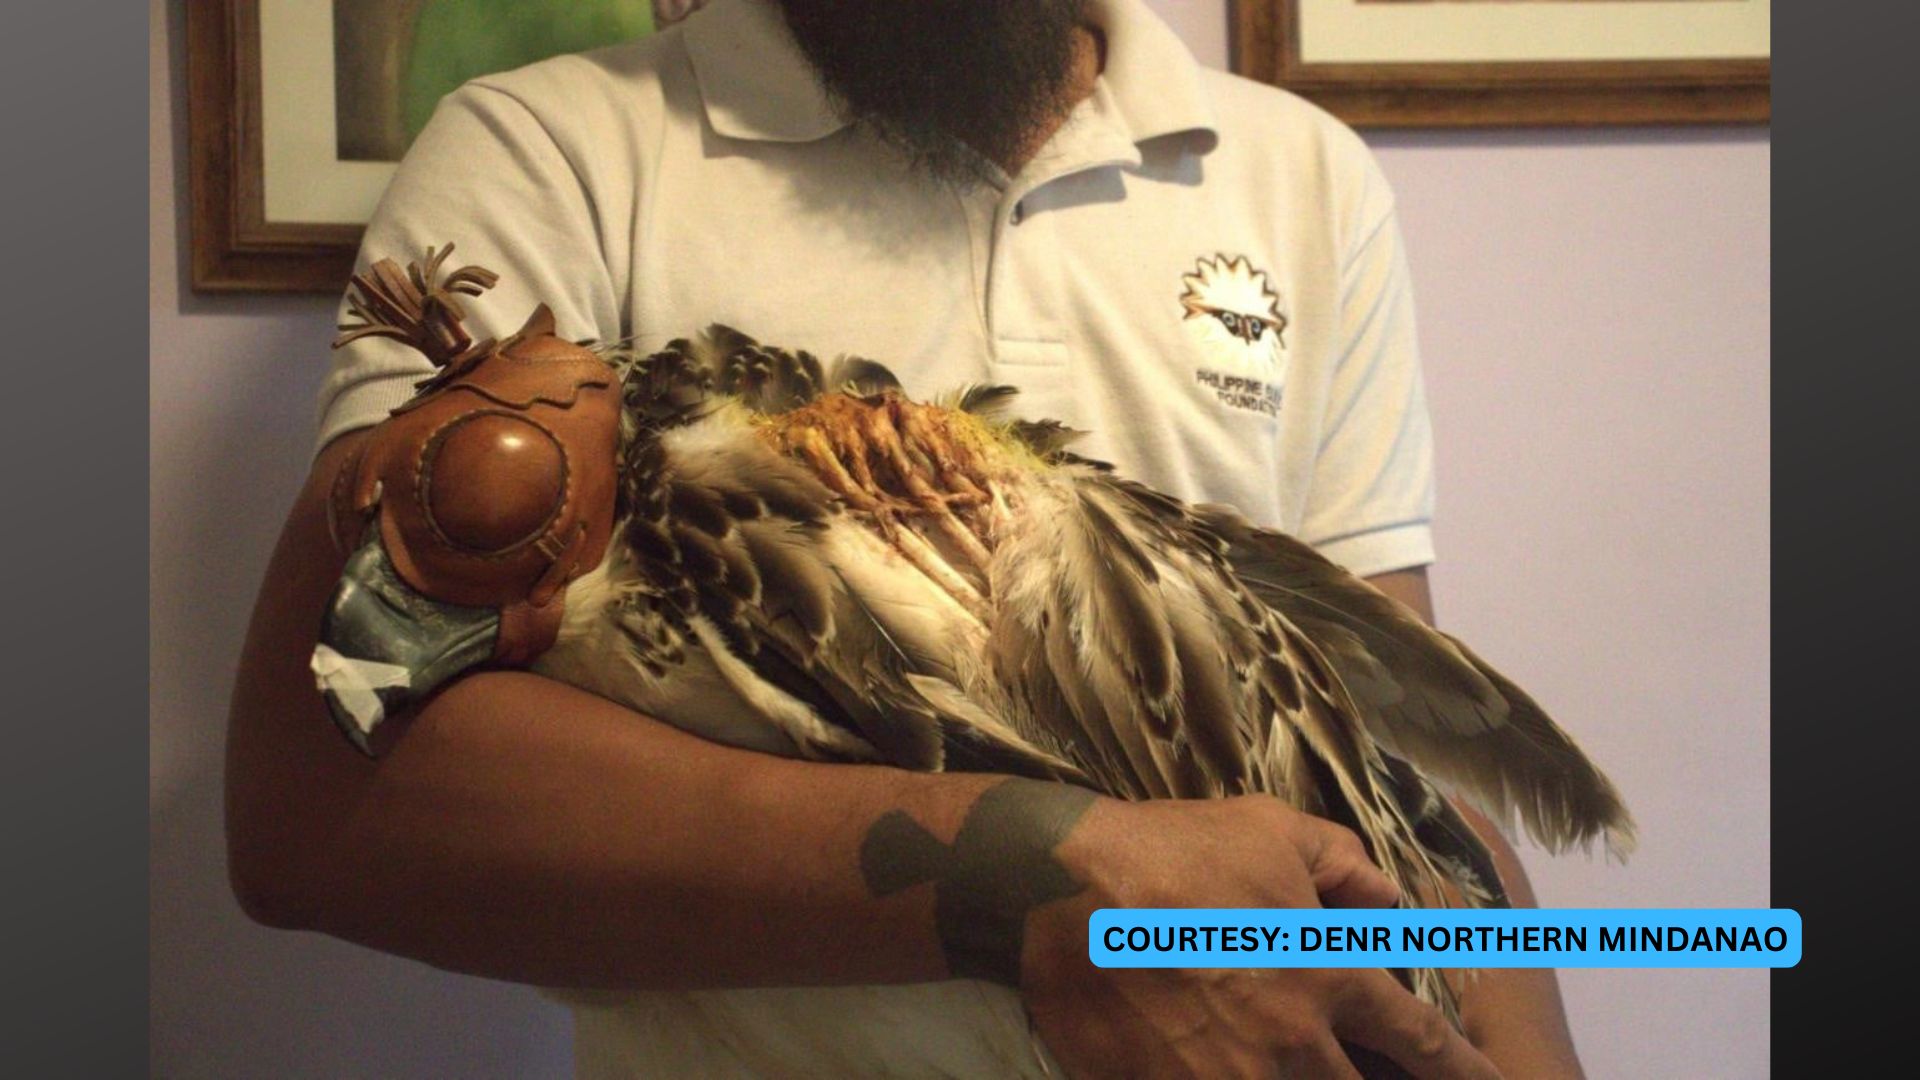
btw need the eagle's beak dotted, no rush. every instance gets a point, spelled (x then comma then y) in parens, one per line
(384, 647)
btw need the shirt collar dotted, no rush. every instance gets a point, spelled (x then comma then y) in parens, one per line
(1154, 79)
(755, 84)
(753, 80)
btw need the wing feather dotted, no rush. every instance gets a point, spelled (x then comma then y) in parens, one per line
(1431, 699)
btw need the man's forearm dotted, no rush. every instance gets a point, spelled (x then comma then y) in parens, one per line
(527, 831)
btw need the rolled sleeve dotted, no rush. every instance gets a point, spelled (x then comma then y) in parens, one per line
(1370, 503)
(1379, 551)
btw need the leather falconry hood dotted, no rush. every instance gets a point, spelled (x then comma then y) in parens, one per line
(493, 487)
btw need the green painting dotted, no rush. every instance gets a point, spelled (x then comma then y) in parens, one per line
(395, 59)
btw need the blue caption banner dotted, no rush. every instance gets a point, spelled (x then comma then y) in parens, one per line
(1445, 937)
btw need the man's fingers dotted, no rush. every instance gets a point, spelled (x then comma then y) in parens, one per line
(1342, 873)
(1378, 1013)
(1319, 1060)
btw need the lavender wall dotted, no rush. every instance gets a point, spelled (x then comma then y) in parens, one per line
(1595, 314)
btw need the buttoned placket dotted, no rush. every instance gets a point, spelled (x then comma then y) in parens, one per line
(1016, 244)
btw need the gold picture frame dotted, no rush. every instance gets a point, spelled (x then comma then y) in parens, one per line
(295, 118)
(1473, 63)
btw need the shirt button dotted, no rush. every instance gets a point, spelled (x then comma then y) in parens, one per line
(1019, 212)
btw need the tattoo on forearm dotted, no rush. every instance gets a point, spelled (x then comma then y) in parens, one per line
(1001, 866)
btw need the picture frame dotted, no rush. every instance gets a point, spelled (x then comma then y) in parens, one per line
(236, 247)
(1511, 63)
(296, 117)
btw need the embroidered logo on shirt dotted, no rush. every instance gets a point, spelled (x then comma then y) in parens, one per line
(1233, 315)
(1241, 392)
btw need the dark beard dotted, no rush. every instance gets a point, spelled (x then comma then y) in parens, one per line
(956, 85)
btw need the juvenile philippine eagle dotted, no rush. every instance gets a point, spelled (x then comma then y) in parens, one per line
(808, 561)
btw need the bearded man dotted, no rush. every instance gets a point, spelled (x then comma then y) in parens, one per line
(1203, 272)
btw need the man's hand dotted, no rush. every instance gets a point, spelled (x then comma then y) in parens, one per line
(1252, 852)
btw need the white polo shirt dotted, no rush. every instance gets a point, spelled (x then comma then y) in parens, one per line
(1202, 272)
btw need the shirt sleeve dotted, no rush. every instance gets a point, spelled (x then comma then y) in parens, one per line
(1370, 502)
(487, 176)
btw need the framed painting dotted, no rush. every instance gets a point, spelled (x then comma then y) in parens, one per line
(1459, 63)
(298, 111)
